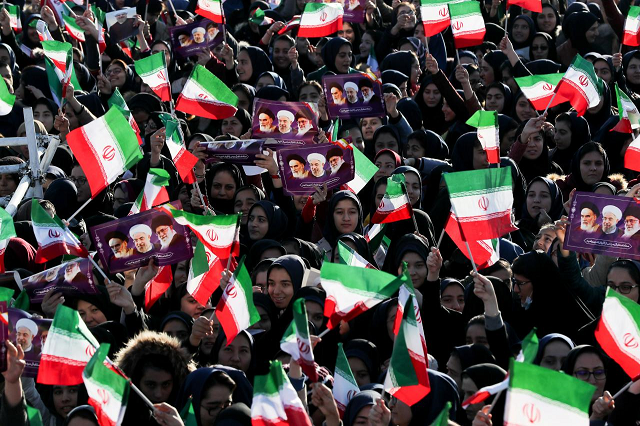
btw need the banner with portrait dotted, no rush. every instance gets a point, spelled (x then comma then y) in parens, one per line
(354, 10)
(30, 333)
(289, 123)
(120, 24)
(302, 169)
(604, 224)
(234, 151)
(187, 40)
(130, 242)
(70, 278)
(353, 95)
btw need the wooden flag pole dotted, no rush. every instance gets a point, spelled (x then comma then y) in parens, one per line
(79, 209)
(440, 239)
(550, 102)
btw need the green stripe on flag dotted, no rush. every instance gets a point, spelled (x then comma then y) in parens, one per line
(209, 83)
(401, 370)
(7, 229)
(475, 182)
(483, 119)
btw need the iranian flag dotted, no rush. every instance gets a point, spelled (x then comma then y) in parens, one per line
(7, 100)
(618, 331)
(320, 19)
(365, 170)
(14, 17)
(275, 401)
(482, 200)
(235, 310)
(204, 95)
(484, 252)
(539, 89)
(154, 192)
(291, 25)
(59, 68)
(7, 231)
(547, 397)
(372, 62)
(580, 86)
(260, 19)
(378, 242)
(407, 378)
(487, 124)
(67, 350)
(628, 112)
(116, 100)
(100, 17)
(348, 256)
(211, 9)
(204, 274)
(532, 5)
(154, 289)
(631, 36)
(153, 71)
(395, 204)
(467, 24)
(485, 393)
(108, 391)
(408, 292)
(435, 16)
(297, 343)
(72, 28)
(105, 148)
(632, 156)
(352, 291)
(183, 159)
(54, 239)
(42, 29)
(344, 384)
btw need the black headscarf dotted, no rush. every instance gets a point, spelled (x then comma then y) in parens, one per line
(532, 32)
(542, 345)
(540, 166)
(399, 61)
(506, 92)
(407, 243)
(580, 134)
(367, 352)
(475, 354)
(634, 87)
(64, 196)
(612, 142)
(408, 169)
(495, 59)
(221, 341)
(569, 363)
(433, 145)
(272, 93)
(37, 77)
(277, 219)
(575, 27)
(432, 117)
(556, 196)
(394, 76)
(443, 390)
(260, 247)
(552, 54)
(260, 63)
(462, 155)
(581, 185)
(411, 111)
(330, 52)
(358, 402)
(295, 267)
(224, 206)
(330, 231)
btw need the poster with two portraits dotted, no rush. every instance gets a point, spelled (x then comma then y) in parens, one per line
(353, 95)
(604, 224)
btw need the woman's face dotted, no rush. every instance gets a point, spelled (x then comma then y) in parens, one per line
(182, 272)
(400, 412)
(534, 147)
(237, 354)
(233, 126)
(418, 33)
(280, 287)
(386, 165)
(265, 320)
(176, 328)
(554, 354)
(414, 186)
(591, 167)
(524, 110)
(633, 71)
(343, 59)
(453, 298)
(468, 389)
(265, 80)
(366, 43)
(431, 95)
(369, 126)
(520, 31)
(74, 123)
(415, 149)
(495, 100)
(416, 266)
(621, 279)
(309, 94)
(348, 33)
(191, 306)
(547, 20)
(454, 369)
(480, 160)
(538, 198)
(90, 314)
(150, 127)
(346, 216)
(477, 334)
(592, 33)
(360, 371)
(603, 71)
(449, 115)
(8, 185)
(245, 199)
(215, 399)
(116, 75)
(65, 399)
(42, 114)
(486, 73)
(522, 287)
(414, 78)
(539, 48)
(586, 367)
(507, 140)
(243, 100)
(156, 384)
(244, 67)
(382, 188)
(562, 137)
(257, 223)
(385, 140)
(223, 186)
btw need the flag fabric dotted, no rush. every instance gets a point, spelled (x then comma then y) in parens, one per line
(348, 256)
(435, 16)
(204, 274)
(378, 242)
(154, 192)
(7, 100)
(42, 29)
(14, 17)
(105, 148)
(481, 201)
(59, 68)
(539, 89)
(580, 86)
(618, 331)
(260, 19)
(204, 95)
(365, 170)
(628, 112)
(467, 24)
(395, 204)
(211, 9)
(235, 310)
(487, 124)
(352, 291)
(543, 396)
(485, 393)
(297, 343)
(188, 415)
(291, 25)
(108, 390)
(117, 100)
(344, 384)
(100, 17)
(632, 155)
(484, 252)
(153, 71)
(443, 417)
(22, 301)
(33, 414)
(529, 348)
(54, 239)
(67, 350)
(407, 378)
(73, 29)
(7, 231)
(532, 5)
(320, 19)
(405, 293)
(275, 401)
(372, 61)
(182, 159)
(154, 289)
(631, 36)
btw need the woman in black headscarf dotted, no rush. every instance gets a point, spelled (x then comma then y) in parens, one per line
(426, 143)
(272, 93)
(463, 357)
(521, 34)
(588, 166)
(477, 377)
(598, 115)
(493, 102)
(359, 406)
(615, 144)
(127, 191)
(548, 21)
(337, 58)
(363, 357)
(631, 70)
(542, 46)
(531, 152)
(468, 153)
(252, 62)
(571, 133)
(544, 204)
(267, 220)
(432, 115)
(237, 125)
(239, 353)
(222, 180)
(60, 400)
(490, 66)
(581, 29)
(408, 64)
(340, 219)
(64, 196)
(32, 76)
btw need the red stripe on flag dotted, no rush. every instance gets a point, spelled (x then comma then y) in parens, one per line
(532, 5)
(631, 39)
(296, 416)
(89, 162)
(210, 110)
(53, 372)
(336, 317)
(410, 395)
(103, 418)
(54, 250)
(227, 320)
(493, 155)
(321, 31)
(157, 287)
(612, 348)
(632, 158)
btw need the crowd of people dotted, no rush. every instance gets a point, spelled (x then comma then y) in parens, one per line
(474, 323)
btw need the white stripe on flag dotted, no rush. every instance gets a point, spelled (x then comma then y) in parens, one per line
(524, 407)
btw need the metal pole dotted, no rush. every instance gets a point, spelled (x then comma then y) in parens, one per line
(34, 158)
(18, 195)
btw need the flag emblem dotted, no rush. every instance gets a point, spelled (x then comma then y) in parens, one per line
(483, 203)
(443, 12)
(231, 291)
(531, 412)
(104, 396)
(584, 80)
(547, 87)
(211, 234)
(54, 234)
(458, 26)
(323, 16)
(630, 341)
(109, 153)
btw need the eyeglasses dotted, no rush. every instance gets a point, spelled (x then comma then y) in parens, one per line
(519, 283)
(213, 411)
(598, 374)
(78, 180)
(624, 288)
(543, 47)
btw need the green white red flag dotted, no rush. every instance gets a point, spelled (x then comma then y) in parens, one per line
(618, 331)
(632, 156)
(54, 239)
(631, 36)
(539, 89)
(67, 350)
(260, 19)
(153, 71)
(467, 24)
(365, 170)
(406, 292)
(435, 16)
(484, 252)
(7, 100)
(297, 343)
(100, 17)
(395, 204)
(211, 9)
(628, 112)
(275, 401)
(579, 86)
(204, 274)
(154, 289)
(204, 95)
(235, 310)
(407, 378)
(7, 231)
(487, 124)
(344, 384)
(352, 291)
(532, 5)
(14, 17)
(42, 29)
(116, 100)
(154, 192)
(108, 390)
(482, 200)
(378, 242)
(348, 256)
(183, 159)
(320, 19)
(291, 25)
(59, 68)
(73, 29)
(105, 148)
